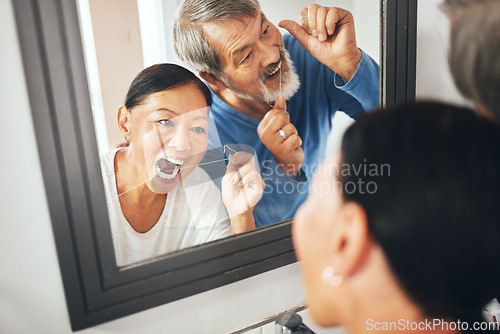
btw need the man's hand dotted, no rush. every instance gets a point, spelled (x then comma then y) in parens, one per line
(281, 138)
(328, 34)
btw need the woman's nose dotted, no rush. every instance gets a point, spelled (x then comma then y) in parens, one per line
(179, 140)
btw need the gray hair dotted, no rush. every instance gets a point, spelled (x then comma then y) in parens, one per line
(190, 43)
(474, 50)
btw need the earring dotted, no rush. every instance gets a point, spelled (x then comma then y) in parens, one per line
(329, 278)
(125, 141)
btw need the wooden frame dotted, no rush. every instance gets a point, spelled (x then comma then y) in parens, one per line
(96, 290)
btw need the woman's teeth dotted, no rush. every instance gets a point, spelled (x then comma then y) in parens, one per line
(178, 162)
(170, 174)
(169, 168)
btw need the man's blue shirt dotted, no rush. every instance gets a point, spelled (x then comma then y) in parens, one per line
(322, 93)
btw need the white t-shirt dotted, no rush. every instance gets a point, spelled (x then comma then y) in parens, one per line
(193, 214)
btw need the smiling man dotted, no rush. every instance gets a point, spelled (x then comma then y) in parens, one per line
(277, 93)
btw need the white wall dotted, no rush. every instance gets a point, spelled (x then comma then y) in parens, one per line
(433, 77)
(31, 292)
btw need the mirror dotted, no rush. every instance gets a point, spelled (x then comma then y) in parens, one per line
(96, 289)
(115, 53)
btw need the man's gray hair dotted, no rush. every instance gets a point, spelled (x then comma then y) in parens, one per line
(190, 43)
(474, 55)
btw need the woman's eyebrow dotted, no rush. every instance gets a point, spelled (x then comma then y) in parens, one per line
(166, 109)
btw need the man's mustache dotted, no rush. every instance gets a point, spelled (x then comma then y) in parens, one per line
(272, 67)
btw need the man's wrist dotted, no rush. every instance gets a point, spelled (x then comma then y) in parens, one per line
(350, 66)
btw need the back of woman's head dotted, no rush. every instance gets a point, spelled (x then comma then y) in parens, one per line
(161, 77)
(436, 211)
(474, 49)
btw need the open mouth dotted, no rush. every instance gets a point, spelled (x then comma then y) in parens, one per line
(274, 72)
(168, 168)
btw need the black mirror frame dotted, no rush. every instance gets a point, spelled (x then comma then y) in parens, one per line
(96, 291)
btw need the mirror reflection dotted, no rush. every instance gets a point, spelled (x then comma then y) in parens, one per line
(195, 161)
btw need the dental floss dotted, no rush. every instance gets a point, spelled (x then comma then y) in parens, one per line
(281, 69)
(205, 163)
(229, 148)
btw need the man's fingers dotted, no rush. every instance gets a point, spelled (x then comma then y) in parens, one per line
(296, 30)
(272, 121)
(280, 103)
(311, 16)
(320, 23)
(289, 130)
(293, 142)
(331, 20)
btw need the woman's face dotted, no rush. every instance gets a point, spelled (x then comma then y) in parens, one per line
(168, 136)
(312, 228)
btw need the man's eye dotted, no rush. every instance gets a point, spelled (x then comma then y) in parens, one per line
(198, 129)
(265, 31)
(249, 55)
(166, 122)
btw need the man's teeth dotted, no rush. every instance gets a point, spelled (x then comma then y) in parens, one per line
(276, 70)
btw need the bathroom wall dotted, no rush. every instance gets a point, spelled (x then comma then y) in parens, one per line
(31, 291)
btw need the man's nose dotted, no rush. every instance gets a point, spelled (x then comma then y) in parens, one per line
(271, 54)
(179, 140)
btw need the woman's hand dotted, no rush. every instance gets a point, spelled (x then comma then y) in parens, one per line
(242, 188)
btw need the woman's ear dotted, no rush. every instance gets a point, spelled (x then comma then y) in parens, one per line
(124, 118)
(212, 79)
(351, 241)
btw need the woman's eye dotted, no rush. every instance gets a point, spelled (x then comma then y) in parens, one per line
(166, 122)
(199, 129)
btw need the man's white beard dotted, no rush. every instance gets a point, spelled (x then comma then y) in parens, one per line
(290, 83)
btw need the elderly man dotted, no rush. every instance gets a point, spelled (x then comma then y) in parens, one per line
(277, 93)
(474, 50)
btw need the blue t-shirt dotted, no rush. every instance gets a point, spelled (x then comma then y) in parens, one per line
(322, 93)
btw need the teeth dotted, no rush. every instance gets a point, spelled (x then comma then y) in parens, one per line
(276, 70)
(167, 176)
(177, 162)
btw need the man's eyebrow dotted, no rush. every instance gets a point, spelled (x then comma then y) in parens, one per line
(241, 50)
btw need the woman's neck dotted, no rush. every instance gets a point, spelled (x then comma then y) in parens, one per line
(140, 206)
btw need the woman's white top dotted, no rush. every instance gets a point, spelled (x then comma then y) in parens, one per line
(193, 214)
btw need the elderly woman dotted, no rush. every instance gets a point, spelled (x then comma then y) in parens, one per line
(158, 199)
(401, 228)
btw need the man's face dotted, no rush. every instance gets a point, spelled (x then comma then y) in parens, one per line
(253, 59)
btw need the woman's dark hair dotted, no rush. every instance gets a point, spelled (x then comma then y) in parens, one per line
(436, 211)
(160, 77)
